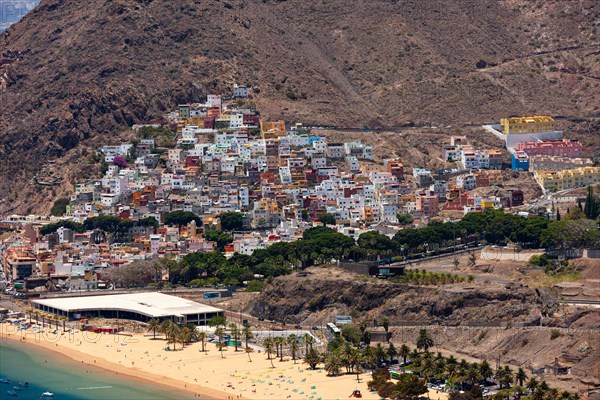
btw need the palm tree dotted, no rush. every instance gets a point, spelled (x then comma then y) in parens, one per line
(532, 384)
(235, 333)
(164, 327)
(391, 352)
(173, 333)
(485, 370)
(504, 376)
(153, 325)
(292, 341)
(404, 352)
(333, 364)
(473, 376)
(415, 357)
(247, 333)
(312, 358)
(439, 366)
(380, 354)
(520, 376)
(202, 338)
(370, 357)
(186, 335)
(424, 341)
(249, 350)
(268, 345)
(451, 367)
(309, 341)
(346, 354)
(220, 332)
(279, 342)
(386, 326)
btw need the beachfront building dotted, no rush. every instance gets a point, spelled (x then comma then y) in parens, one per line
(138, 306)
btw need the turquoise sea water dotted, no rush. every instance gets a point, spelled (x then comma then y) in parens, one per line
(45, 370)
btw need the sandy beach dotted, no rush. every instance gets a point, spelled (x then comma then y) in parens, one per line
(206, 374)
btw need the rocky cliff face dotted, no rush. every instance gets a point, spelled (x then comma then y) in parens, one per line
(75, 74)
(329, 292)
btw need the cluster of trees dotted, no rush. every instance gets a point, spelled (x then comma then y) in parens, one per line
(51, 228)
(491, 226)
(181, 218)
(115, 226)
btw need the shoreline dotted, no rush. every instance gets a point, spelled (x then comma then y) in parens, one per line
(114, 368)
(201, 373)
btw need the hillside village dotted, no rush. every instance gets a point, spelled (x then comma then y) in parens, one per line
(221, 158)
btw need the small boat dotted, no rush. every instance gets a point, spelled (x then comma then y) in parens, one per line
(47, 394)
(2, 380)
(19, 388)
(23, 384)
(11, 393)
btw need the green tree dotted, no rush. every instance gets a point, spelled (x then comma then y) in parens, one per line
(520, 376)
(219, 333)
(392, 353)
(404, 352)
(221, 238)
(59, 208)
(592, 207)
(409, 387)
(217, 321)
(292, 342)
(309, 341)
(424, 341)
(181, 218)
(202, 339)
(235, 334)
(247, 334)
(485, 370)
(312, 358)
(327, 219)
(153, 325)
(268, 345)
(404, 219)
(232, 221)
(51, 228)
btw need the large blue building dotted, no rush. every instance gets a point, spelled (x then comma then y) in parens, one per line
(520, 161)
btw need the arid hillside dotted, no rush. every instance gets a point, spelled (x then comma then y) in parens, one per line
(75, 74)
(494, 321)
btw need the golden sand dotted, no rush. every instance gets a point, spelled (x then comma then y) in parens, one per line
(209, 374)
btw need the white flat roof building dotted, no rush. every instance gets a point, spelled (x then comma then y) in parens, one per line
(136, 306)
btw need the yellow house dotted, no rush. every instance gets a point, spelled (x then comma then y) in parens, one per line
(568, 178)
(487, 204)
(270, 130)
(537, 123)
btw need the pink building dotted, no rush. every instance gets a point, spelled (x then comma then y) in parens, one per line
(562, 148)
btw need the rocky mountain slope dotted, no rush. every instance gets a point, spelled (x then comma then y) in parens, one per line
(484, 321)
(372, 299)
(75, 74)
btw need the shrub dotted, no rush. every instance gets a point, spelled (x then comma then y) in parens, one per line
(554, 334)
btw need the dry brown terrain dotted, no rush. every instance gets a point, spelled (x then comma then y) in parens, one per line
(481, 320)
(74, 75)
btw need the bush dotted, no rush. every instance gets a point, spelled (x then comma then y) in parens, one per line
(255, 286)
(60, 207)
(554, 334)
